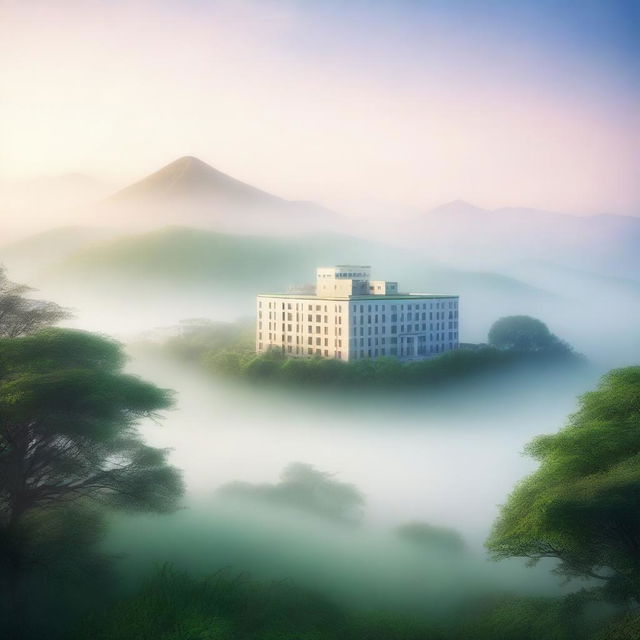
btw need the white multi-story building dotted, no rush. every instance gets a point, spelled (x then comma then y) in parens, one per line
(352, 317)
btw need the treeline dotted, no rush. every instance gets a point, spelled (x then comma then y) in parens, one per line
(454, 366)
(515, 343)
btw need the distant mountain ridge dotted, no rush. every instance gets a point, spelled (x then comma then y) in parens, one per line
(461, 233)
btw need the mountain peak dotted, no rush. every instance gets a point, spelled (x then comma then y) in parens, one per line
(457, 206)
(188, 161)
(189, 178)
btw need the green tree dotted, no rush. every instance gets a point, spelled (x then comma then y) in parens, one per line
(265, 366)
(524, 333)
(582, 506)
(20, 315)
(68, 417)
(305, 488)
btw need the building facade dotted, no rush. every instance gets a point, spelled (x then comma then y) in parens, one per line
(352, 317)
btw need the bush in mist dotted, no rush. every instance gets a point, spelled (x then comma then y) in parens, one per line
(68, 435)
(524, 333)
(198, 336)
(428, 536)
(175, 606)
(581, 506)
(305, 488)
(20, 315)
(521, 618)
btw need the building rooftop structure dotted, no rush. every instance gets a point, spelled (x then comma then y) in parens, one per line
(349, 281)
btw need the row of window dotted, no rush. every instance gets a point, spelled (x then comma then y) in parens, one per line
(438, 328)
(416, 306)
(289, 327)
(439, 315)
(409, 328)
(308, 351)
(299, 306)
(399, 351)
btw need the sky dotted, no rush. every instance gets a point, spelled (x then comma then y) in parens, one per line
(501, 103)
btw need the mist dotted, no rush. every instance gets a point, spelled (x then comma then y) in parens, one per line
(448, 460)
(163, 165)
(445, 457)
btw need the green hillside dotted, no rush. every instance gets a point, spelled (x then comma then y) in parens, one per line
(26, 257)
(179, 256)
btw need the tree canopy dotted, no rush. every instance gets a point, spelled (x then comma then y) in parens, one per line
(305, 488)
(524, 333)
(20, 315)
(67, 426)
(582, 506)
(68, 439)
